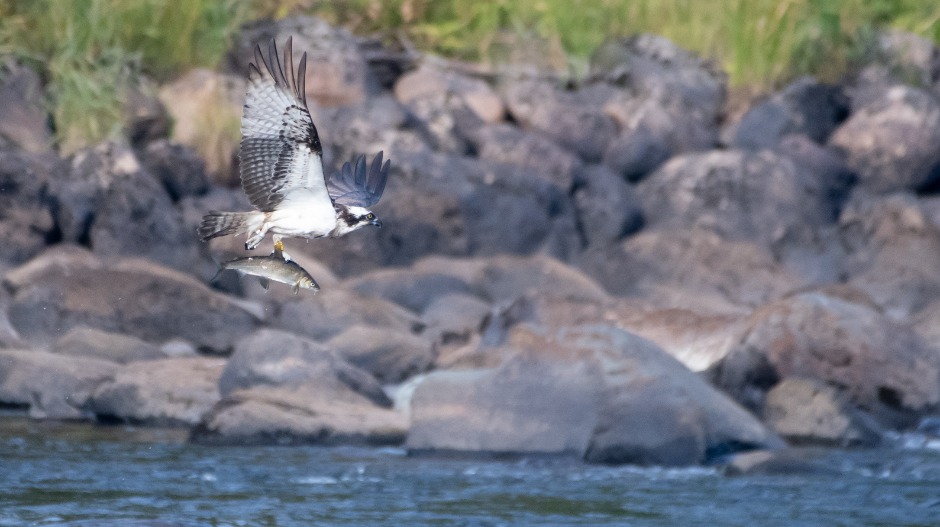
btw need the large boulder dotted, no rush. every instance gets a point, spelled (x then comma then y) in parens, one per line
(608, 208)
(67, 287)
(81, 341)
(180, 168)
(282, 388)
(407, 287)
(391, 356)
(891, 245)
(592, 391)
(883, 366)
(24, 118)
(505, 143)
(50, 385)
(26, 220)
(165, 392)
(892, 142)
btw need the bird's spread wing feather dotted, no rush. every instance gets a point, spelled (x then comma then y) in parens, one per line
(280, 148)
(353, 186)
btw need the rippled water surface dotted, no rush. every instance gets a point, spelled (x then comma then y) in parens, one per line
(54, 474)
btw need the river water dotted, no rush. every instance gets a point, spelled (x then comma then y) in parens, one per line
(53, 474)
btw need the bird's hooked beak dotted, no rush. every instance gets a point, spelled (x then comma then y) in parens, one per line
(376, 222)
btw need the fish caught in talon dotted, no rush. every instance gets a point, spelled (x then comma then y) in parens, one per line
(273, 267)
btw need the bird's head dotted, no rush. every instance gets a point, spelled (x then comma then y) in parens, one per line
(349, 219)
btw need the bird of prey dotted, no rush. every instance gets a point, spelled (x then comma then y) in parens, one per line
(281, 165)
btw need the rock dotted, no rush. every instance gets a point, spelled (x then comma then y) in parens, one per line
(431, 82)
(83, 341)
(337, 72)
(68, 287)
(165, 392)
(592, 391)
(408, 288)
(690, 269)
(891, 142)
(24, 120)
(376, 124)
(282, 388)
(53, 386)
(637, 151)
(608, 208)
(145, 117)
(333, 310)
(537, 105)
(26, 221)
(180, 168)
(806, 411)
(504, 143)
(780, 462)
(805, 106)
(391, 356)
(206, 109)
(821, 163)
(454, 318)
(884, 367)
(504, 278)
(891, 244)
(656, 68)
(135, 216)
(277, 358)
(909, 56)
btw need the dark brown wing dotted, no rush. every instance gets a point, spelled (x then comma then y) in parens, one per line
(353, 186)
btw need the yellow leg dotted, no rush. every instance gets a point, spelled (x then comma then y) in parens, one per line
(279, 246)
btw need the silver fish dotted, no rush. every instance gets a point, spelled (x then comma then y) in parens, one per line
(275, 267)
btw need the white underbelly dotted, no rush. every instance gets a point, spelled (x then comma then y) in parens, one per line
(302, 221)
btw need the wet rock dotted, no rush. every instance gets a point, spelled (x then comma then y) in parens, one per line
(83, 341)
(612, 398)
(331, 311)
(180, 168)
(805, 107)
(68, 287)
(537, 105)
(891, 141)
(408, 288)
(607, 207)
(166, 392)
(883, 366)
(51, 385)
(806, 411)
(24, 121)
(26, 221)
(891, 244)
(690, 269)
(391, 356)
(283, 389)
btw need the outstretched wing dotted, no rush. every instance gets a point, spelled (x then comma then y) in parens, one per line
(280, 148)
(353, 186)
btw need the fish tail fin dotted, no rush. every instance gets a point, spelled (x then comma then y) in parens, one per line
(223, 223)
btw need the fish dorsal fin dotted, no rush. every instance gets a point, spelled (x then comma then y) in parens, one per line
(265, 283)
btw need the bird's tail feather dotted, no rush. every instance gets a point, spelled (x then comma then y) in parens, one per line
(223, 223)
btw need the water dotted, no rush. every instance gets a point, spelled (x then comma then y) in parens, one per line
(77, 475)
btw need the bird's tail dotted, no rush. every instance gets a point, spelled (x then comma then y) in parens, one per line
(222, 223)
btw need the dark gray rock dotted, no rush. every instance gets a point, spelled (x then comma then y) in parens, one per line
(505, 278)
(809, 412)
(637, 151)
(180, 168)
(537, 105)
(883, 366)
(165, 392)
(145, 117)
(406, 287)
(608, 208)
(454, 319)
(505, 143)
(593, 391)
(26, 220)
(805, 106)
(67, 287)
(891, 142)
(52, 386)
(83, 341)
(391, 356)
(24, 120)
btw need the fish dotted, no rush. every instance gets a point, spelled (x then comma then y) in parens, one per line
(277, 267)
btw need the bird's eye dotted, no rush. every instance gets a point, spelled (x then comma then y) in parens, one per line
(370, 216)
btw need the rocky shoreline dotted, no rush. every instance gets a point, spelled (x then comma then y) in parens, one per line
(618, 271)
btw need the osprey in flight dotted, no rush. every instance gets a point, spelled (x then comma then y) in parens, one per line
(281, 166)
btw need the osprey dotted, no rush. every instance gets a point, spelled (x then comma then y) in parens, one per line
(281, 166)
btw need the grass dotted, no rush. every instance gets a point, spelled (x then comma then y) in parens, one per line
(90, 50)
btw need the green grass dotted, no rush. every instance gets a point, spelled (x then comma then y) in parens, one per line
(90, 50)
